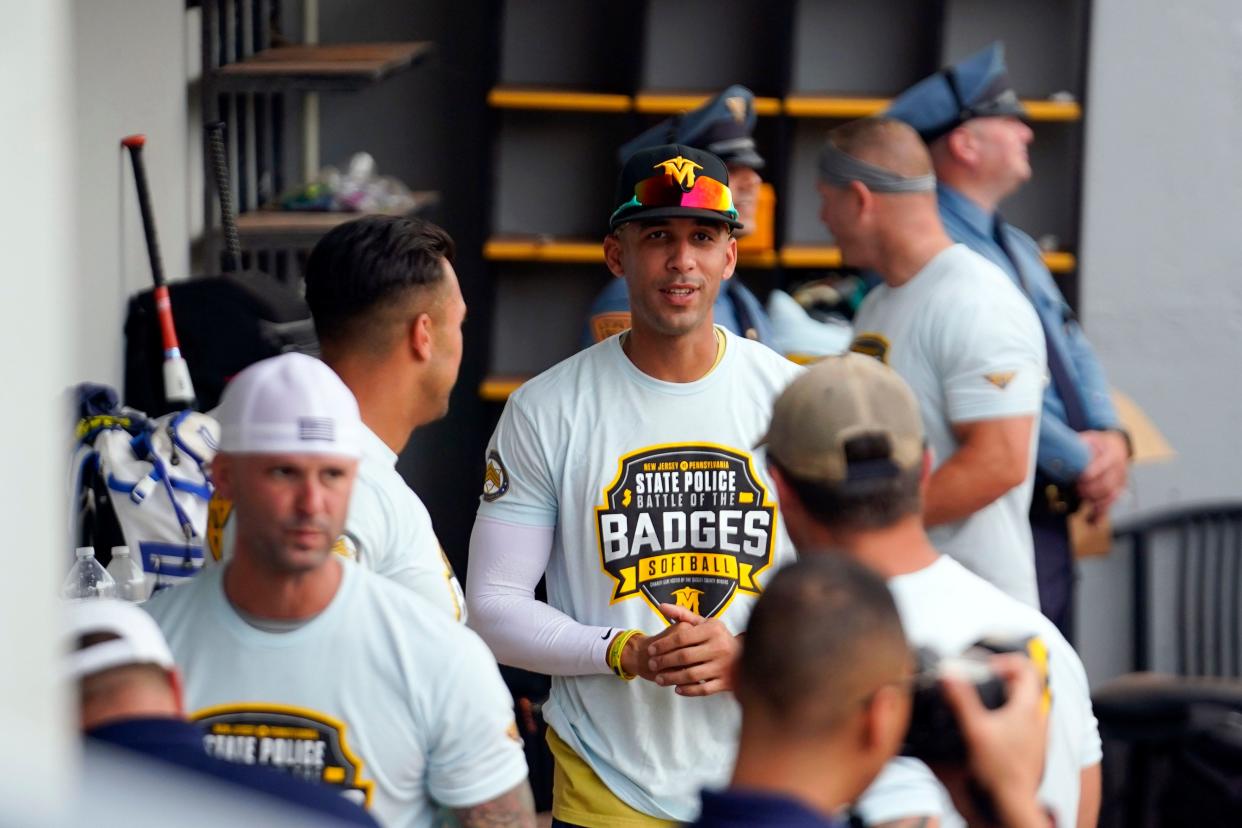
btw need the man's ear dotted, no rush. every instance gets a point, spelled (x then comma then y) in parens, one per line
(177, 686)
(795, 513)
(961, 144)
(862, 196)
(222, 475)
(886, 720)
(420, 337)
(731, 264)
(612, 253)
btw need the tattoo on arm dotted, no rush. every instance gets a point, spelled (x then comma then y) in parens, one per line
(513, 809)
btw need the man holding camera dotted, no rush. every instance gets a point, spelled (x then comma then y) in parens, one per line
(847, 455)
(824, 683)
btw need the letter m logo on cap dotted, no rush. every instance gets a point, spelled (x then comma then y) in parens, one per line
(316, 428)
(680, 170)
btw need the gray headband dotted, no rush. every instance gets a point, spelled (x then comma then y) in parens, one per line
(839, 169)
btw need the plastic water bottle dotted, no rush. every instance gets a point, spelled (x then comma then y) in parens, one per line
(87, 579)
(131, 582)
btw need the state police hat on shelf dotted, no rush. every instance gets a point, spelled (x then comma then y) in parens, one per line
(722, 126)
(673, 181)
(975, 87)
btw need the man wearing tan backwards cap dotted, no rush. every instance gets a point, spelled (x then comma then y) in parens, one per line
(846, 452)
(625, 473)
(300, 659)
(959, 332)
(130, 698)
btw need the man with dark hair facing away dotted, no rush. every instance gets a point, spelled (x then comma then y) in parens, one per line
(847, 454)
(389, 312)
(824, 684)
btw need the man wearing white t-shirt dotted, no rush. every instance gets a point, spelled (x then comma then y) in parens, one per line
(303, 661)
(388, 311)
(956, 329)
(847, 454)
(625, 474)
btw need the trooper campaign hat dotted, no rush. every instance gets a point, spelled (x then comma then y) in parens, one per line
(673, 181)
(838, 400)
(723, 126)
(975, 87)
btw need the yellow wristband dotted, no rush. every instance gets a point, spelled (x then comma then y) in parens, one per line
(614, 653)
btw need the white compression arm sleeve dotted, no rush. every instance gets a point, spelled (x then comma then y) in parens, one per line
(506, 562)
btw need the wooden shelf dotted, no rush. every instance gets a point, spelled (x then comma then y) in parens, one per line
(671, 103)
(822, 106)
(294, 229)
(563, 100)
(809, 255)
(498, 389)
(320, 67)
(817, 106)
(553, 250)
(1060, 261)
(543, 249)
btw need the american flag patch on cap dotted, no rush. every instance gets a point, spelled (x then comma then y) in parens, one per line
(316, 428)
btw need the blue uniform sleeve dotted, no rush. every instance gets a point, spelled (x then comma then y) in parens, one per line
(1063, 455)
(609, 313)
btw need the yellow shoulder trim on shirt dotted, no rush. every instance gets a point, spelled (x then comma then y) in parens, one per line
(580, 797)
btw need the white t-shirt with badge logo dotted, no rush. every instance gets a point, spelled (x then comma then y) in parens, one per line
(947, 609)
(379, 695)
(971, 347)
(657, 497)
(388, 531)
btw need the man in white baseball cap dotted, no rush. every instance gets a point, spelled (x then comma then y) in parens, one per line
(131, 698)
(302, 660)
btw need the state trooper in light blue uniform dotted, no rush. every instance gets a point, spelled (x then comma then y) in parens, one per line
(974, 123)
(723, 127)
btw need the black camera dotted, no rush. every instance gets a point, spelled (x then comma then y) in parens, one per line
(934, 735)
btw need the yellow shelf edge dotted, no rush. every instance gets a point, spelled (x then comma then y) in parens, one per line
(1060, 261)
(814, 106)
(803, 255)
(671, 103)
(510, 97)
(535, 250)
(498, 389)
(827, 106)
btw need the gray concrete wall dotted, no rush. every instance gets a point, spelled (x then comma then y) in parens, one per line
(1160, 292)
(36, 328)
(130, 62)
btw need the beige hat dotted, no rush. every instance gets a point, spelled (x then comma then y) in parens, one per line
(837, 400)
(289, 404)
(137, 638)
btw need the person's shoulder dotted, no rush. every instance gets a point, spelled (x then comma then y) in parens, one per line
(419, 621)
(171, 606)
(759, 356)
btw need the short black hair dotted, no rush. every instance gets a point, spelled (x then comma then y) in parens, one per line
(823, 636)
(860, 505)
(368, 263)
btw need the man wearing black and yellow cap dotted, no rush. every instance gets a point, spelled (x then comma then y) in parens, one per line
(974, 124)
(723, 127)
(625, 475)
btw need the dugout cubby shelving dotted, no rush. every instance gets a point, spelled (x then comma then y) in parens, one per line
(255, 79)
(577, 80)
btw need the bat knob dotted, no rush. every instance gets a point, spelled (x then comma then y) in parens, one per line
(133, 141)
